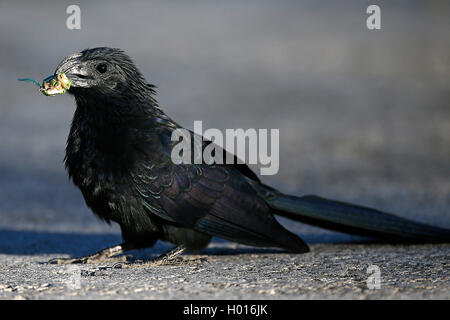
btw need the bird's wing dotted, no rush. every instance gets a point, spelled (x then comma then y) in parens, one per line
(213, 199)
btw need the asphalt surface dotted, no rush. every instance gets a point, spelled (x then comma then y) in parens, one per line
(331, 271)
(363, 117)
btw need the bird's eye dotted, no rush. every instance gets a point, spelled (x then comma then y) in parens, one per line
(102, 68)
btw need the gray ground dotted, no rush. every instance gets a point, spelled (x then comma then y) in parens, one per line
(363, 117)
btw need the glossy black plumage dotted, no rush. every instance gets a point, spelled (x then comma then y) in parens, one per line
(118, 154)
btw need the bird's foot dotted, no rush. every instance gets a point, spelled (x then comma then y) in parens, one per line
(66, 261)
(89, 260)
(101, 256)
(170, 257)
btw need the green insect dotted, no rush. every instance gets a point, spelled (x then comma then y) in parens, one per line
(52, 85)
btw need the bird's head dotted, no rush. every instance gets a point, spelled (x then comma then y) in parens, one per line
(104, 72)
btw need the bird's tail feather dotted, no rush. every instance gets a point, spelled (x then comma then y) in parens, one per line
(354, 219)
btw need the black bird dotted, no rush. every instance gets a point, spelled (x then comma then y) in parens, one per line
(119, 155)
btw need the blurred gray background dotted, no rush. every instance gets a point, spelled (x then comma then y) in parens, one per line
(364, 115)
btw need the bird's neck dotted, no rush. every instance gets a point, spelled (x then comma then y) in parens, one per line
(103, 111)
(113, 133)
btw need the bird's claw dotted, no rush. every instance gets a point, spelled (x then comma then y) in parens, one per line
(92, 259)
(82, 260)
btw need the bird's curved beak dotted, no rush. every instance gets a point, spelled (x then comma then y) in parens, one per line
(72, 67)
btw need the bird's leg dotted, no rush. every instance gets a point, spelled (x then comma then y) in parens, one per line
(98, 256)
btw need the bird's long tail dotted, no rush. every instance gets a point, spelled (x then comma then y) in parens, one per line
(350, 218)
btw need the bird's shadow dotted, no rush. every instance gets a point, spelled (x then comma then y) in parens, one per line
(25, 242)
